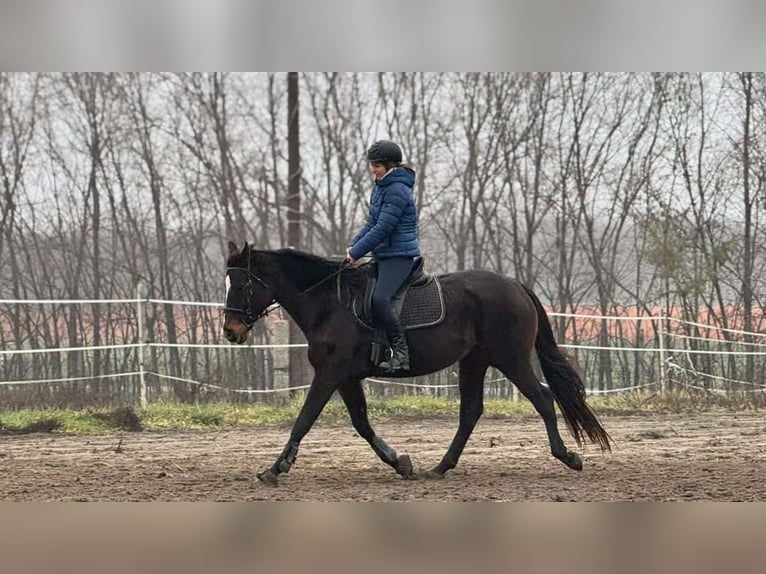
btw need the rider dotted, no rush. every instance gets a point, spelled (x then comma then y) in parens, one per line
(391, 233)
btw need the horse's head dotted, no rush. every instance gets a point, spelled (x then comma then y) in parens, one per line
(247, 295)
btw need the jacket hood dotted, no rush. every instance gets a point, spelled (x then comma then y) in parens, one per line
(400, 174)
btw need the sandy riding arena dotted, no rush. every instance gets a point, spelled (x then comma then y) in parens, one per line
(657, 457)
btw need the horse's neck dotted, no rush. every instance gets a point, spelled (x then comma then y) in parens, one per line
(305, 307)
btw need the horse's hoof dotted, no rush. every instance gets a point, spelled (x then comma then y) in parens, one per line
(404, 466)
(573, 461)
(268, 477)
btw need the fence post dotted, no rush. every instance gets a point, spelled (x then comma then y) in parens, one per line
(141, 342)
(661, 340)
(279, 336)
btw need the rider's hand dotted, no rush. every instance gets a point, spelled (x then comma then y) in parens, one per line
(349, 260)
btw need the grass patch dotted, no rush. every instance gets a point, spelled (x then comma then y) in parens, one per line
(207, 419)
(121, 418)
(225, 415)
(39, 426)
(175, 416)
(162, 416)
(676, 402)
(87, 421)
(53, 420)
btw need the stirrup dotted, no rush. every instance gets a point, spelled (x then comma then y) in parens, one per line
(399, 361)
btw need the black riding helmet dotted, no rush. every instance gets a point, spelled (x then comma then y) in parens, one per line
(384, 151)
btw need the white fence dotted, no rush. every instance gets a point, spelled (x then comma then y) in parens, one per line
(681, 355)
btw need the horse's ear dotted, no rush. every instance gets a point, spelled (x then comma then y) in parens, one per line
(233, 250)
(246, 247)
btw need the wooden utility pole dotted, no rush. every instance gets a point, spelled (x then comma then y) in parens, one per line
(293, 163)
(746, 79)
(298, 369)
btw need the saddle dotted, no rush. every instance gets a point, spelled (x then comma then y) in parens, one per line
(418, 303)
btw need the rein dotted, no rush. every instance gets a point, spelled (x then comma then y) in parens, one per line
(250, 320)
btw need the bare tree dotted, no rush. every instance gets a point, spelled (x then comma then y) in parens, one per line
(473, 166)
(335, 180)
(746, 89)
(600, 190)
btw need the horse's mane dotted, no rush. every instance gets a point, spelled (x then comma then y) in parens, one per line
(304, 269)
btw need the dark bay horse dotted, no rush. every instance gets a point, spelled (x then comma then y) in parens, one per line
(490, 320)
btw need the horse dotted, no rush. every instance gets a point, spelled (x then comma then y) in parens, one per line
(490, 320)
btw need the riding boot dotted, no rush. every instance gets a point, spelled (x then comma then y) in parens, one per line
(400, 355)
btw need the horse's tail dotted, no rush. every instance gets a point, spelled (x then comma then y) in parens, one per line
(566, 385)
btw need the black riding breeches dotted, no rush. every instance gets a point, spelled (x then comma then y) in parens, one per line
(392, 271)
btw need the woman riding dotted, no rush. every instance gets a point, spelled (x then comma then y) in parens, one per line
(391, 233)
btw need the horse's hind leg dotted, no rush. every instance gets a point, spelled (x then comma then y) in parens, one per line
(471, 385)
(541, 397)
(353, 396)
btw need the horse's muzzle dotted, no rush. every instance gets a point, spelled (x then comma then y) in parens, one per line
(235, 331)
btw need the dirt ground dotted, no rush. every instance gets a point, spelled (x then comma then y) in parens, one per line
(657, 457)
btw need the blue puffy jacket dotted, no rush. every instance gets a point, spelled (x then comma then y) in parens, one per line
(392, 226)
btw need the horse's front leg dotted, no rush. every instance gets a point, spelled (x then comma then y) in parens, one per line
(319, 393)
(352, 394)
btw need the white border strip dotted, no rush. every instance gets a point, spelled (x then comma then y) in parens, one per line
(620, 390)
(69, 349)
(71, 379)
(69, 301)
(716, 377)
(715, 328)
(241, 391)
(188, 303)
(227, 346)
(604, 317)
(401, 384)
(597, 348)
(673, 351)
(715, 341)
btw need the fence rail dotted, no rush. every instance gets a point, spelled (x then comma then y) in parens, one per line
(50, 356)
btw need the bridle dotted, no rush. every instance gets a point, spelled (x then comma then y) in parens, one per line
(249, 318)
